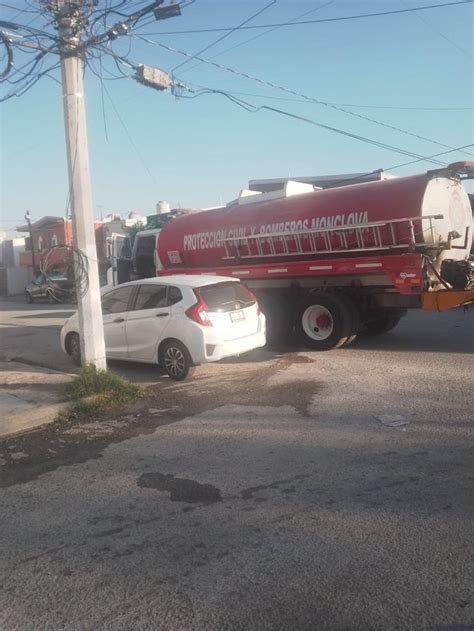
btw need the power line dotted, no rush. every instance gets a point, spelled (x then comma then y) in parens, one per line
(270, 30)
(250, 107)
(358, 105)
(320, 21)
(441, 34)
(129, 136)
(396, 166)
(219, 39)
(293, 92)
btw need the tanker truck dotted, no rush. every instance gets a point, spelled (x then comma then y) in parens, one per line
(332, 263)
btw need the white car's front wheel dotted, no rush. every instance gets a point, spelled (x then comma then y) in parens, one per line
(73, 347)
(176, 360)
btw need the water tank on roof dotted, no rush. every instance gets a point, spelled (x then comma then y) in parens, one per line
(162, 207)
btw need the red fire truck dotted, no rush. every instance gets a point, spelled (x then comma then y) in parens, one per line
(335, 262)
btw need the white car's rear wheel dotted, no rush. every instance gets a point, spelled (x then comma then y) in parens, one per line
(176, 360)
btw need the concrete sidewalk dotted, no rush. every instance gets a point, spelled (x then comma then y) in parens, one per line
(30, 396)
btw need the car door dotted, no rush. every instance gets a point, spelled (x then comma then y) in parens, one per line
(114, 313)
(147, 321)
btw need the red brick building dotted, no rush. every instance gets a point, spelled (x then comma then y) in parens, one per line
(50, 231)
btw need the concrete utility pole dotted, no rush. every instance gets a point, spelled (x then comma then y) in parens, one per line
(69, 15)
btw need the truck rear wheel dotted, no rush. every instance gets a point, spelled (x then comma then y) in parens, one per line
(278, 319)
(355, 318)
(324, 321)
(383, 322)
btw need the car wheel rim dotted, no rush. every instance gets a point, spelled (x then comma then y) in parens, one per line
(317, 322)
(175, 362)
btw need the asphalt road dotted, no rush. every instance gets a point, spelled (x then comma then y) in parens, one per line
(263, 494)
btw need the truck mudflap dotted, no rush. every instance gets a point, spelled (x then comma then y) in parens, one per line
(445, 299)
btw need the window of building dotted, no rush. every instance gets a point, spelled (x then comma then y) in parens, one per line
(40, 243)
(54, 240)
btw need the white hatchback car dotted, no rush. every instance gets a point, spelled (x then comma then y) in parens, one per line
(175, 321)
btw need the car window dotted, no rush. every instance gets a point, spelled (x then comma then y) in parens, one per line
(151, 297)
(226, 296)
(174, 295)
(116, 301)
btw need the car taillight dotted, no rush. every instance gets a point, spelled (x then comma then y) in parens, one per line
(198, 312)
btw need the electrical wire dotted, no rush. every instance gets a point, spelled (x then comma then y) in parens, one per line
(358, 105)
(270, 30)
(294, 92)
(75, 265)
(360, 176)
(126, 130)
(222, 37)
(9, 55)
(257, 108)
(432, 28)
(320, 21)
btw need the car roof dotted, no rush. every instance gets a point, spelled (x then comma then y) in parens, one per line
(186, 280)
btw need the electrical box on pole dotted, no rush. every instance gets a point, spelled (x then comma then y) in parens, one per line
(153, 77)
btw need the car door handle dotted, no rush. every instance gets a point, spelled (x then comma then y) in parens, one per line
(162, 315)
(117, 320)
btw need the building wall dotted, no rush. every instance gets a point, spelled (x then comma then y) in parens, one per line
(13, 280)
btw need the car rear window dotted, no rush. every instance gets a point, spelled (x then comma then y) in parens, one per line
(226, 296)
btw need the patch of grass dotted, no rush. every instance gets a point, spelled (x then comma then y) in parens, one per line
(98, 390)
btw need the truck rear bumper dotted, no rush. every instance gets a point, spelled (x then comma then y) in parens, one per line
(446, 299)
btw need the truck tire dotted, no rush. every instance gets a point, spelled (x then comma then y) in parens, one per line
(324, 321)
(355, 317)
(383, 322)
(277, 315)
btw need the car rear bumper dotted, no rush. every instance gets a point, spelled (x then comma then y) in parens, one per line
(215, 352)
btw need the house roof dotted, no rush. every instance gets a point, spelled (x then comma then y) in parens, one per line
(45, 222)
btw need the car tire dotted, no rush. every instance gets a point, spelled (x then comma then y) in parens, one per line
(74, 348)
(29, 298)
(176, 360)
(324, 321)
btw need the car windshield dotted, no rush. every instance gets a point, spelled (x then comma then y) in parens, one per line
(226, 296)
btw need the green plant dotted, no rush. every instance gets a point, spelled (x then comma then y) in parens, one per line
(96, 390)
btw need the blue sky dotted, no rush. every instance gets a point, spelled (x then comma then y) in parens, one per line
(201, 151)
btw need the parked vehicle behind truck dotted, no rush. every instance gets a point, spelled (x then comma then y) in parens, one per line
(333, 263)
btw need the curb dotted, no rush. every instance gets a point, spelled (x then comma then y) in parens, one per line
(31, 419)
(35, 364)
